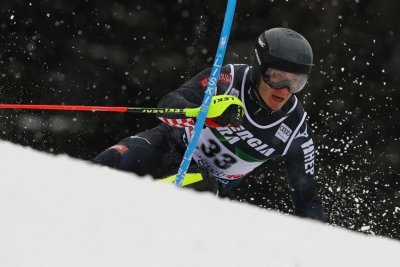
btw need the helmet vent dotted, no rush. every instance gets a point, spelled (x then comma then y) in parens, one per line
(293, 34)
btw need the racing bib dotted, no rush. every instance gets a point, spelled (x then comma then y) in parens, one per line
(219, 160)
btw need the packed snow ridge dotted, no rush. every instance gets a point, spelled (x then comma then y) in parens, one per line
(58, 211)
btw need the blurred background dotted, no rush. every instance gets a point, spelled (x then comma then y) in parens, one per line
(131, 53)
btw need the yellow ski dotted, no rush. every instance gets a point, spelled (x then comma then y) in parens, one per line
(190, 178)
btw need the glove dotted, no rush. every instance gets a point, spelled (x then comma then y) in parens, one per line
(225, 111)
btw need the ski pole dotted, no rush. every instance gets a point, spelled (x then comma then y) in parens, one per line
(210, 92)
(186, 112)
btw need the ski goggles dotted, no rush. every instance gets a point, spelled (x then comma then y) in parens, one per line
(278, 79)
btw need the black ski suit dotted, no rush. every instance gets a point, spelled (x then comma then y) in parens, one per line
(227, 153)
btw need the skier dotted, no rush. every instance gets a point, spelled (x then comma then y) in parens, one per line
(261, 119)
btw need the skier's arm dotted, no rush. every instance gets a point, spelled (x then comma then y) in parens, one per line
(190, 95)
(301, 175)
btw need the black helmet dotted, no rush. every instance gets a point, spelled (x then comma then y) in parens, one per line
(282, 49)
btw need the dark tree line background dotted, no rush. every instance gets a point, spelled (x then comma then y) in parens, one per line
(131, 53)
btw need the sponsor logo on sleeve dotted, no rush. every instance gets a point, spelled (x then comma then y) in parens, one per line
(308, 150)
(121, 149)
(302, 134)
(224, 77)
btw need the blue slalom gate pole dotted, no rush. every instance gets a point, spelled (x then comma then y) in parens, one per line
(209, 93)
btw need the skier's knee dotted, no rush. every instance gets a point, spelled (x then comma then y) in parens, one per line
(111, 157)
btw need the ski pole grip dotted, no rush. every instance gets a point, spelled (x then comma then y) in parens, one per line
(192, 112)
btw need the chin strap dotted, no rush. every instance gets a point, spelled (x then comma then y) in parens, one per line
(255, 96)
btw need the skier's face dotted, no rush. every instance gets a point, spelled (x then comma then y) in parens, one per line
(275, 99)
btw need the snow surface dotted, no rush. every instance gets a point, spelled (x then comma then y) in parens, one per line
(59, 211)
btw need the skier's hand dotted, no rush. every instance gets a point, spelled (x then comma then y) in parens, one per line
(225, 111)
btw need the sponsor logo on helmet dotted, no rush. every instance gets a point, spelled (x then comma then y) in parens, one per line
(257, 56)
(260, 42)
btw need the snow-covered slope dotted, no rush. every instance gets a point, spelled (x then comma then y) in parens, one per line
(57, 211)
